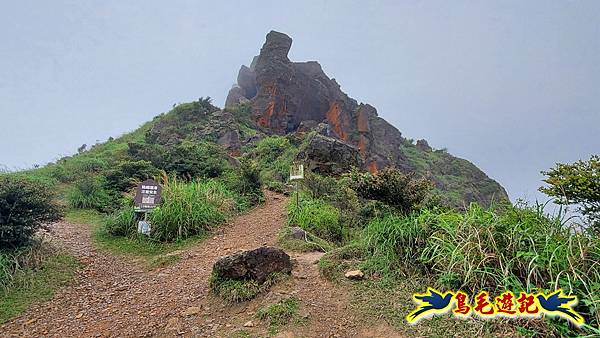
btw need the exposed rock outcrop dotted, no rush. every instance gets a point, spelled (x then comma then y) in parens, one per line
(288, 97)
(326, 155)
(255, 264)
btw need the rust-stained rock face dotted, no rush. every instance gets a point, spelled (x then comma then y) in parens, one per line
(285, 94)
(287, 97)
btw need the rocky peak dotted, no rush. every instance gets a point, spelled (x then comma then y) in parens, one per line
(284, 94)
(287, 97)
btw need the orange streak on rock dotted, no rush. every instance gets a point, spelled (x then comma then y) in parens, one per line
(265, 119)
(373, 167)
(335, 118)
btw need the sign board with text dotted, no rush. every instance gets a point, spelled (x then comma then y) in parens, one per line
(147, 195)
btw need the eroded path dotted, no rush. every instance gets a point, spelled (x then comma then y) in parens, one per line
(114, 297)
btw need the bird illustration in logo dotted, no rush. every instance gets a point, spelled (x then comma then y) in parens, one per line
(430, 302)
(557, 303)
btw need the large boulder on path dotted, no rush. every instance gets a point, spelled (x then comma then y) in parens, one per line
(255, 264)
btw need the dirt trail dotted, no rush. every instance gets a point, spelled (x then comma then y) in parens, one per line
(113, 296)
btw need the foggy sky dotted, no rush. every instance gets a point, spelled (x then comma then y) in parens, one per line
(513, 86)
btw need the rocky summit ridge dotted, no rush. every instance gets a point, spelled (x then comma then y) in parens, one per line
(288, 97)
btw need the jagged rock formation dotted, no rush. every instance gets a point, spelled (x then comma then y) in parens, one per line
(285, 94)
(288, 97)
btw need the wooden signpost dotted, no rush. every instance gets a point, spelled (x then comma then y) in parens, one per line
(147, 197)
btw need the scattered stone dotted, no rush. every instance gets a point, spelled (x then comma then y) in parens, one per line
(355, 275)
(255, 264)
(79, 315)
(173, 324)
(191, 311)
(297, 233)
(249, 324)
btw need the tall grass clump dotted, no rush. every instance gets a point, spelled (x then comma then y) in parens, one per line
(509, 247)
(89, 193)
(190, 208)
(15, 262)
(317, 217)
(393, 240)
(122, 222)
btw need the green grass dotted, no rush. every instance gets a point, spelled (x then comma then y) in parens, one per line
(317, 217)
(279, 314)
(84, 216)
(190, 209)
(140, 246)
(312, 242)
(39, 285)
(235, 291)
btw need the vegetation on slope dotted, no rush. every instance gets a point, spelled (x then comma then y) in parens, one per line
(396, 237)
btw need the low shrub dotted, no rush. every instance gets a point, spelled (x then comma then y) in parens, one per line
(126, 174)
(245, 181)
(25, 206)
(90, 193)
(275, 155)
(404, 192)
(317, 217)
(196, 159)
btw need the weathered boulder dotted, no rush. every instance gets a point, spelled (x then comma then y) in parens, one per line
(297, 233)
(326, 155)
(255, 264)
(354, 274)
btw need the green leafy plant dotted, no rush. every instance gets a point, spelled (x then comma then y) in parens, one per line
(402, 191)
(190, 208)
(25, 206)
(577, 183)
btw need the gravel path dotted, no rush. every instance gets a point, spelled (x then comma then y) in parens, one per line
(115, 297)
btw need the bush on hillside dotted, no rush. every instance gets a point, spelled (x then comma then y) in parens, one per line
(402, 191)
(90, 193)
(246, 182)
(187, 209)
(24, 207)
(127, 174)
(275, 155)
(192, 160)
